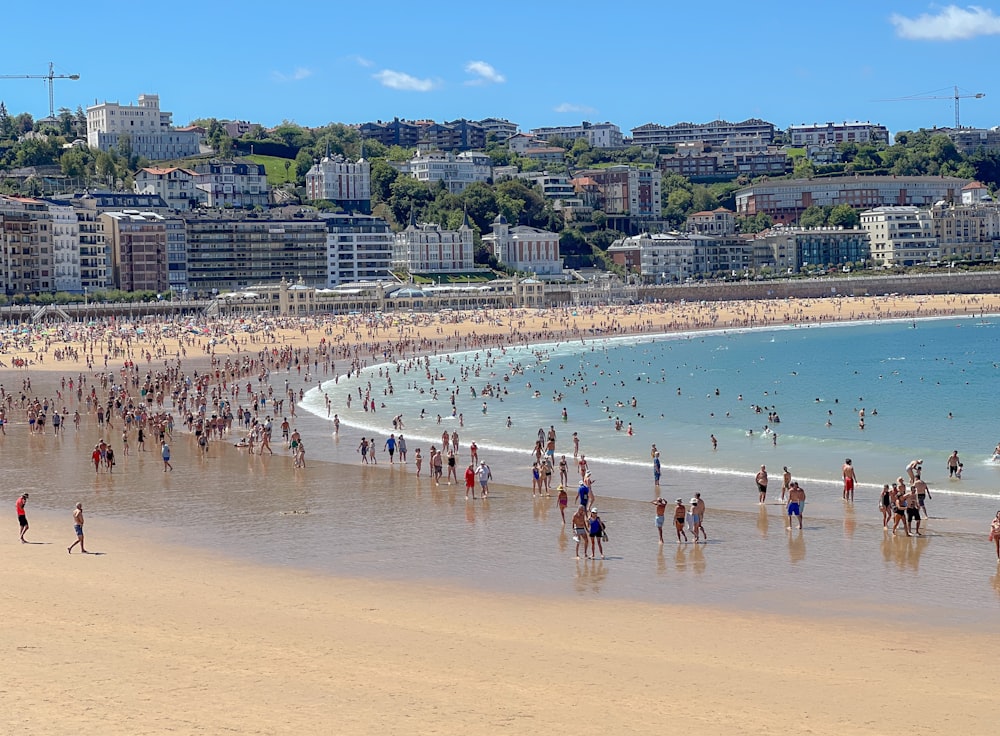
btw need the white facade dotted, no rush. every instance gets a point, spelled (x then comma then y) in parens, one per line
(598, 135)
(427, 248)
(147, 127)
(966, 231)
(342, 182)
(175, 185)
(828, 134)
(901, 236)
(525, 248)
(359, 248)
(65, 248)
(456, 171)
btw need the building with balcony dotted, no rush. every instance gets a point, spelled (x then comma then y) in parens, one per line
(137, 242)
(966, 232)
(799, 248)
(500, 128)
(900, 236)
(457, 135)
(175, 185)
(426, 248)
(653, 135)
(26, 246)
(148, 130)
(456, 171)
(348, 184)
(358, 248)
(663, 258)
(719, 221)
(523, 248)
(784, 201)
(65, 247)
(231, 184)
(830, 134)
(628, 191)
(598, 135)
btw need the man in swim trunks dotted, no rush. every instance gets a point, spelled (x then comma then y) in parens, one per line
(680, 517)
(761, 480)
(698, 507)
(786, 482)
(849, 480)
(22, 518)
(580, 530)
(920, 486)
(78, 528)
(661, 511)
(796, 500)
(913, 510)
(953, 465)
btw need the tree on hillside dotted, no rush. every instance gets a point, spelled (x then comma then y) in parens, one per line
(408, 195)
(383, 175)
(843, 215)
(813, 216)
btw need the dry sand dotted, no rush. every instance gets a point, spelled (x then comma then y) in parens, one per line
(150, 639)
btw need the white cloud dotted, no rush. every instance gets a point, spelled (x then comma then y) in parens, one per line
(485, 73)
(296, 76)
(951, 23)
(361, 61)
(403, 81)
(570, 107)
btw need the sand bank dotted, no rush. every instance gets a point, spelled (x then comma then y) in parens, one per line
(148, 639)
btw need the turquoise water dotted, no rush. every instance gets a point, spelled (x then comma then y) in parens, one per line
(926, 388)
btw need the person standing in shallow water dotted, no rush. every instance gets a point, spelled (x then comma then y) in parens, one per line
(850, 478)
(761, 480)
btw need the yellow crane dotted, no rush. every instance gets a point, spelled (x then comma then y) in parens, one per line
(956, 95)
(49, 79)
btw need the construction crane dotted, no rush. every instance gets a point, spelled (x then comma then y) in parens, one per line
(955, 96)
(50, 80)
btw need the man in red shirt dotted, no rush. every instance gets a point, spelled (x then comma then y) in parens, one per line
(21, 518)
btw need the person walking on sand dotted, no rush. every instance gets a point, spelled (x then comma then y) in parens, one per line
(22, 518)
(680, 518)
(698, 514)
(580, 529)
(796, 502)
(761, 479)
(786, 482)
(994, 533)
(485, 476)
(596, 531)
(923, 493)
(849, 480)
(78, 528)
(470, 482)
(661, 512)
(563, 501)
(165, 454)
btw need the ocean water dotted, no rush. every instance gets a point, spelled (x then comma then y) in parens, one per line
(926, 388)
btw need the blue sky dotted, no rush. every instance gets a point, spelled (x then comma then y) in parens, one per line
(535, 63)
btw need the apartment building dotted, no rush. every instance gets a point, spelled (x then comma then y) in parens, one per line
(148, 129)
(457, 171)
(785, 201)
(824, 247)
(524, 248)
(968, 232)
(27, 265)
(175, 185)
(719, 221)
(500, 128)
(598, 135)
(239, 128)
(900, 235)
(426, 248)
(137, 242)
(348, 184)
(830, 134)
(177, 279)
(715, 133)
(65, 247)
(231, 184)
(738, 155)
(662, 258)
(970, 140)
(457, 135)
(627, 190)
(229, 250)
(358, 248)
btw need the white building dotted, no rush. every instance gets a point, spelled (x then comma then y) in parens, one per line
(347, 184)
(500, 128)
(900, 236)
(231, 184)
(525, 248)
(359, 248)
(65, 248)
(148, 129)
(456, 171)
(175, 185)
(830, 134)
(598, 135)
(974, 193)
(426, 248)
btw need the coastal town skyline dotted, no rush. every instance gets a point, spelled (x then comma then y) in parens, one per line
(733, 65)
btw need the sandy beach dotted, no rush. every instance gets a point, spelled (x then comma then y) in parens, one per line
(151, 637)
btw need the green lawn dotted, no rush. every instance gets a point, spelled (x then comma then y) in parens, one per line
(275, 168)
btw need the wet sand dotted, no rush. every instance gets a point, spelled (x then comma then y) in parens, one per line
(213, 606)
